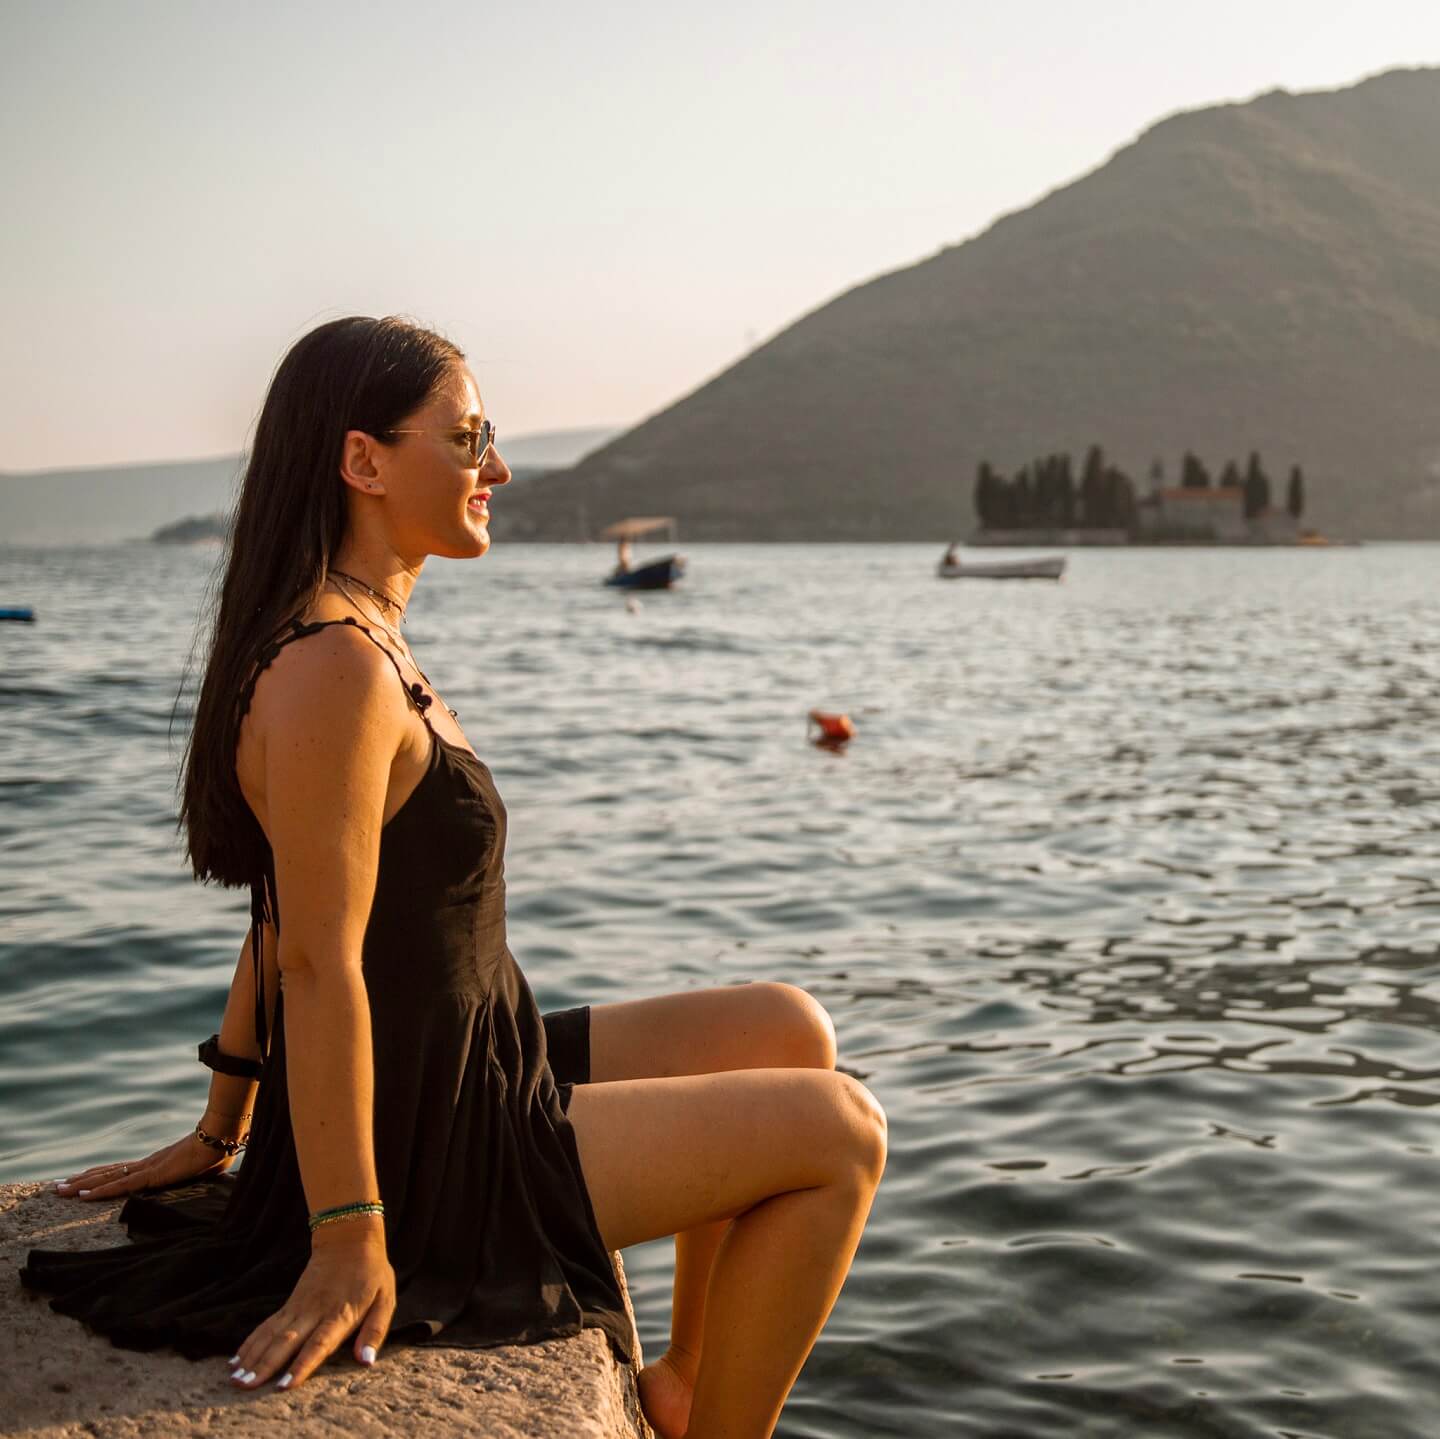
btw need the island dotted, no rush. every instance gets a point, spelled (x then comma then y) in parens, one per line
(193, 530)
(1043, 503)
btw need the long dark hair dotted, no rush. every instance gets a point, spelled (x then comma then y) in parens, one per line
(287, 524)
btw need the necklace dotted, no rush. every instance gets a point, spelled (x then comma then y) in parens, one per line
(393, 633)
(377, 619)
(379, 595)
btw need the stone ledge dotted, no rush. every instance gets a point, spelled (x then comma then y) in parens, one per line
(60, 1380)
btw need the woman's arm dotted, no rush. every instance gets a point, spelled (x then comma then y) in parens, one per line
(333, 720)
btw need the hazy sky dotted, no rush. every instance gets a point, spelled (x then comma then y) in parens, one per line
(603, 205)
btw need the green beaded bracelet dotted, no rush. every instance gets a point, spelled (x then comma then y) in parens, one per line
(344, 1211)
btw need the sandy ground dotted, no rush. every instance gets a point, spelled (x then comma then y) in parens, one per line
(57, 1378)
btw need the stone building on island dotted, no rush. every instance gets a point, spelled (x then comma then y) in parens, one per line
(1182, 514)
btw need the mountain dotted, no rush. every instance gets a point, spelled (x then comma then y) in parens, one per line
(1257, 276)
(101, 506)
(553, 449)
(132, 502)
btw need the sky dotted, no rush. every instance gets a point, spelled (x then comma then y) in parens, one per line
(604, 206)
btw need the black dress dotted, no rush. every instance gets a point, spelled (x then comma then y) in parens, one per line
(488, 1223)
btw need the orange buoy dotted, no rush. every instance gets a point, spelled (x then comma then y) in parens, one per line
(830, 729)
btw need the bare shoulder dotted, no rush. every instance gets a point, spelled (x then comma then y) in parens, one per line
(333, 717)
(336, 676)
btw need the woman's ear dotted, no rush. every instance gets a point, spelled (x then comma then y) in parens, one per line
(358, 463)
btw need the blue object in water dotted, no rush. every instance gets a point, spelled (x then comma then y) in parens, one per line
(657, 575)
(16, 612)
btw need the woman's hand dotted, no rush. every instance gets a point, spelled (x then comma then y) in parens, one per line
(177, 1163)
(348, 1282)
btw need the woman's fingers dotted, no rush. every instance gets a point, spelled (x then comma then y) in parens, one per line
(263, 1356)
(281, 1328)
(374, 1327)
(121, 1184)
(98, 1174)
(96, 1171)
(324, 1339)
(289, 1348)
(170, 1165)
(106, 1180)
(290, 1345)
(290, 1352)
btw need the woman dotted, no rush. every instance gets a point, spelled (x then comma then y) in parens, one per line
(416, 1164)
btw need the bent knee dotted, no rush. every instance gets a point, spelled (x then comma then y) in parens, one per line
(807, 1033)
(869, 1126)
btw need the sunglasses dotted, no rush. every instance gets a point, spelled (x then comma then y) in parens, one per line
(478, 442)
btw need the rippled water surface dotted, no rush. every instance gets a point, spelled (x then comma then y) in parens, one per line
(1124, 900)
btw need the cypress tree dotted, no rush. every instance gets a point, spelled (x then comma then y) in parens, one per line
(1121, 497)
(1092, 488)
(1110, 498)
(1253, 501)
(1040, 501)
(1054, 496)
(1257, 487)
(1023, 500)
(1117, 503)
(1001, 505)
(1194, 475)
(1295, 500)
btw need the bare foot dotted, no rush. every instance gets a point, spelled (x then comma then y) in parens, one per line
(666, 1388)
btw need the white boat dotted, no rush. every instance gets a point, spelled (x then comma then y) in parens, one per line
(1049, 567)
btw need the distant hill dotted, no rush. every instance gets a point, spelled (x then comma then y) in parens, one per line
(99, 506)
(195, 529)
(189, 499)
(552, 449)
(1251, 276)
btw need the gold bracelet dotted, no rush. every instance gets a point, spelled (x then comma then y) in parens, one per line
(345, 1211)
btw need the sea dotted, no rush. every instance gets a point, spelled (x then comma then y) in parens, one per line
(1124, 900)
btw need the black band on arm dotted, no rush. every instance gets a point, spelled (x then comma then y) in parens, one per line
(213, 1057)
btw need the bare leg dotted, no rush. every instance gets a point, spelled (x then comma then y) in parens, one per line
(760, 1025)
(776, 1276)
(694, 1255)
(667, 1384)
(792, 1158)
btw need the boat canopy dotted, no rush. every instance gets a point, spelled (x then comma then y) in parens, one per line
(632, 529)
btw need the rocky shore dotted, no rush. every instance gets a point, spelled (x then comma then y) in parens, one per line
(58, 1379)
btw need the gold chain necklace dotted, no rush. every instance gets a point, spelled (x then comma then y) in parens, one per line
(377, 619)
(380, 595)
(393, 633)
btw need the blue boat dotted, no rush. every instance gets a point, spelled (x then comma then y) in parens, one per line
(654, 574)
(16, 612)
(657, 575)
